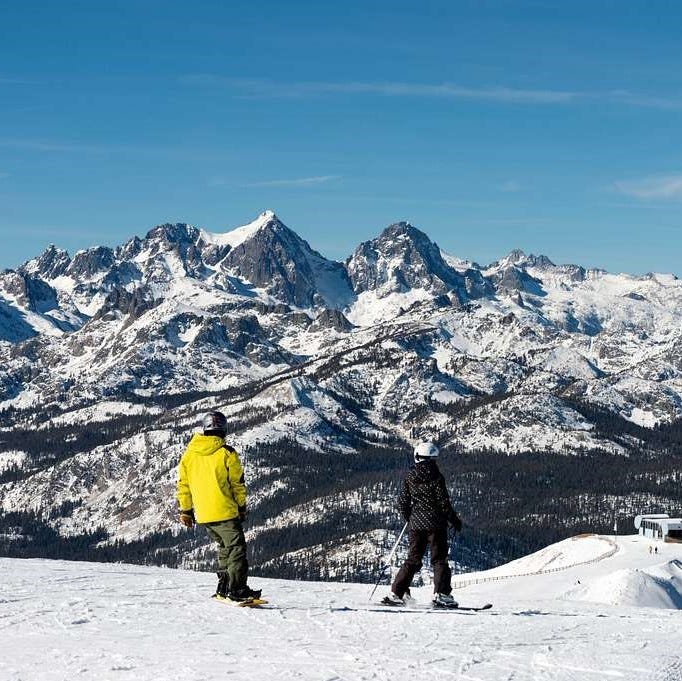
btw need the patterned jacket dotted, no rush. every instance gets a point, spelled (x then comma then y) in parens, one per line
(424, 500)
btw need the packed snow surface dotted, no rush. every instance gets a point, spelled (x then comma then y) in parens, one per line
(66, 620)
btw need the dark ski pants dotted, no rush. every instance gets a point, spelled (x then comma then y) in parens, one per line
(419, 540)
(232, 552)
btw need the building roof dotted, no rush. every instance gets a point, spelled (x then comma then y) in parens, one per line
(652, 516)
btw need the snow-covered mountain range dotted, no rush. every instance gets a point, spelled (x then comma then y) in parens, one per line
(108, 357)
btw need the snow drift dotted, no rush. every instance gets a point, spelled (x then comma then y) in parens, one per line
(659, 586)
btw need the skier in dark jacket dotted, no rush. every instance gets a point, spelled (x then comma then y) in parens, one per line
(425, 504)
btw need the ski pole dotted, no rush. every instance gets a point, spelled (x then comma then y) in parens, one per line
(388, 562)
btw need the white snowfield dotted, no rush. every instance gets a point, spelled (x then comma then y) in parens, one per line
(617, 618)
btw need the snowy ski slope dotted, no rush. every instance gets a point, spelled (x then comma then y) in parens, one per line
(616, 618)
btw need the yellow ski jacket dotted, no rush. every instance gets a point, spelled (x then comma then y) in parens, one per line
(211, 480)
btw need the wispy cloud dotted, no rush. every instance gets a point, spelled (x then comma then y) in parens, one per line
(291, 182)
(295, 182)
(271, 89)
(268, 89)
(667, 187)
(670, 103)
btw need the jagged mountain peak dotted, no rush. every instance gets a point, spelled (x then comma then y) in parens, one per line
(406, 234)
(269, 226)
(166, 251)
(514, 269)
(270, 255)
(402, 228)
(130, 249)
(266, 229)
(402, 257)
(172, 233)
(517, 255)
(267, 220)
(50, 264)
(87, 263)
(268, 216)
(519, 258)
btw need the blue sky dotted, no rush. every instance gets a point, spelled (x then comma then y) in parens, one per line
(490, 124)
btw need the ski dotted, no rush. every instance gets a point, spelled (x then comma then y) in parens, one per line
(392, 604)
(420, 609)
(465, 608)
(386, 602)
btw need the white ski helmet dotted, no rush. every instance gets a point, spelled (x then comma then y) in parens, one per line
(425, 450)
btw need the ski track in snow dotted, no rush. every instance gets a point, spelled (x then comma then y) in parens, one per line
(65, 620)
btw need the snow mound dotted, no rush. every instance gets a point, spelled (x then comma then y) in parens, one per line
(659, 586)
(564, 554)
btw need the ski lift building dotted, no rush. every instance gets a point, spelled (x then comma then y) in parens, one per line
(659, 526)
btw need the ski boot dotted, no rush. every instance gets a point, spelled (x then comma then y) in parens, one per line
(393, 599)
(244, 594)
(444, 601)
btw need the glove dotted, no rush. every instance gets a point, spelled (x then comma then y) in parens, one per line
(187, 518)
(456, 523)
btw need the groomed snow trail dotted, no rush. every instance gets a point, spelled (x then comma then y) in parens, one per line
(65, 620)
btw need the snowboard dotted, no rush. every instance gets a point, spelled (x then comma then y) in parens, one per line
(251, 603)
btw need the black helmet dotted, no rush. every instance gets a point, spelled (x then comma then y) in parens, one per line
(215, 423)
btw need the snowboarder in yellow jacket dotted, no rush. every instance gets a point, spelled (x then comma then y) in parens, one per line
(212, 493)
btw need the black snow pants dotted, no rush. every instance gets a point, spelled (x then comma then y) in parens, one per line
(419, 540)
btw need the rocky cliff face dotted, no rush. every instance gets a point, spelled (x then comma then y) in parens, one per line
(279, 261)
(401, 258)
(52, 263)
(29, 292)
